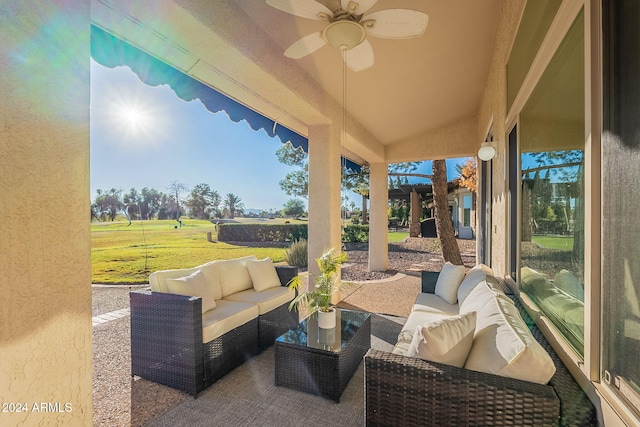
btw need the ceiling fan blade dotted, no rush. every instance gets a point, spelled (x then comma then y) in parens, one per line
(306, 45)
(304, 8)
(360, 57)
(359, 6)
(395, 23)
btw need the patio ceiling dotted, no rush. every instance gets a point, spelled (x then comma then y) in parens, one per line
(416, 87)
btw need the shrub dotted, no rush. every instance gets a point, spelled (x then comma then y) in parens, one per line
(354, 233)
(261, 232)
(296, 255)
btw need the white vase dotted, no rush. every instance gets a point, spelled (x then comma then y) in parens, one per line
(327, 319)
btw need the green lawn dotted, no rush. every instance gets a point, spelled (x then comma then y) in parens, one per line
(397, 236)
(127, 254)
(123, 254)
(554, 242)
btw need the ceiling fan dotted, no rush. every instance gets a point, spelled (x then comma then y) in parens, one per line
(348, 27)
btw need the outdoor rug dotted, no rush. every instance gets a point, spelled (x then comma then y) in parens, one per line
(248, 396)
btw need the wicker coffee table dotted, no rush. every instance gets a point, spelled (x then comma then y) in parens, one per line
(322, 361)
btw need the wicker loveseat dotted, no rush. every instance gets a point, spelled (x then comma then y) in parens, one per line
(195, 325)
(410, 391)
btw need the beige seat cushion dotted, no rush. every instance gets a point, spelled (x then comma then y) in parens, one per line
(227, 316)
(263, 274)
(194, 284)
(448, 282)
(445, 340)
(434, 304)
(266, 300)
(503, 345)
(416, 319)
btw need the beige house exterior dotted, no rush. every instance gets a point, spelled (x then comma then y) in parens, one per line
(477, 70)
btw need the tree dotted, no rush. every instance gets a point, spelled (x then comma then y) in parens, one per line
(107, 204)
(177, 188)
(131, 202)
(469, 179)
(169, 207)
(444, 226)
(291, 156)
(149, 202)
(200, 201)
(233, 204)
(295, 183)
(294, 208)
(468, 174)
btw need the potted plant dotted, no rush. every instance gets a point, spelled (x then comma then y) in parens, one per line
(318, 300)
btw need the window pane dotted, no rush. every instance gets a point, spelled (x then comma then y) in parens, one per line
(467, 211)
(536, 20)
(621, 202)
(552, 190)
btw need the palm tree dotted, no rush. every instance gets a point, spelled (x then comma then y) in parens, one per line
(233, 204)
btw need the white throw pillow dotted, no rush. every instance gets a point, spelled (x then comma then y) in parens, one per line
(503, 345)
(479, 296)
(212, 274)
(448, 282)
(445, 341)
(471, 280)
(158, 279)
(194, 285)
(482, 267)
(263, 274)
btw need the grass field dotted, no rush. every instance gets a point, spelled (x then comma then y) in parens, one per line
(127, 254)
(554, 242)
(397, 236)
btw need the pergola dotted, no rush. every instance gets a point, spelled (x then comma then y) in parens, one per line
(415, 195)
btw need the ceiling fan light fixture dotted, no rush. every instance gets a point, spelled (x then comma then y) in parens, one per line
(344, 34)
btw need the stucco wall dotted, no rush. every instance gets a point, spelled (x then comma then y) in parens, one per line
(45, 293)
(493, 110)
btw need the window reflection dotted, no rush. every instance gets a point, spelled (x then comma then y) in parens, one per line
(551, 151)
(552, 238)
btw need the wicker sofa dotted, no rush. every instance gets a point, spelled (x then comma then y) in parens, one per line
(195, 325)
(402, 389)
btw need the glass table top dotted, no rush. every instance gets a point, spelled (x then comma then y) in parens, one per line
(309, 334)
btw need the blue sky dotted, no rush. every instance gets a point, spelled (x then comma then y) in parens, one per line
(143, 136)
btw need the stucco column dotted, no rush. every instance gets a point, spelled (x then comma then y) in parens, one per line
(324, 192)
(45, 248)
(378, 218)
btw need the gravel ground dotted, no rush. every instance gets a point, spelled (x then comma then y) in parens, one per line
(110, 298)
(120, 401)
(414, 254)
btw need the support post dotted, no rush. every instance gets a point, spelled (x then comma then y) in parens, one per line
(324, 192)
(378, 214)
